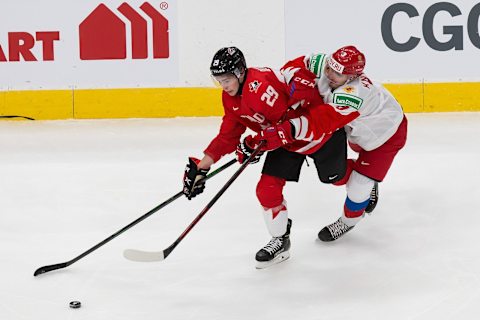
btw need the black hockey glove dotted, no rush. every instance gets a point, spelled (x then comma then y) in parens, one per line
(245, 150)
(193, 179)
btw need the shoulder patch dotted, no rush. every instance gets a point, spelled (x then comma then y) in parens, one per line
(349, 89)
(254, 85)
(349, 100)
(316, 64)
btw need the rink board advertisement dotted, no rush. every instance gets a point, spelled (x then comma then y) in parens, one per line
(404, 42)
(86, 44)
(54, 53)
(425, 51)
(122, 58)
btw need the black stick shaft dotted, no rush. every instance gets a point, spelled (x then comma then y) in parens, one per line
(9, 117)
(167, 251)
(52, 267)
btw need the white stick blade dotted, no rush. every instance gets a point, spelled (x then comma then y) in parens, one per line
(143, 256)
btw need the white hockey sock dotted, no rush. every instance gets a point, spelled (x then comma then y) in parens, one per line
(276, 219)
(359, 188)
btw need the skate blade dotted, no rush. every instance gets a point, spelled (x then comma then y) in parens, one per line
(265, 264)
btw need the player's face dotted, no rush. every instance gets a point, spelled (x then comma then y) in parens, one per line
(229, 83)
(335, 79)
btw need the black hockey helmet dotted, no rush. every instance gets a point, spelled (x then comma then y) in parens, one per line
(228, 60)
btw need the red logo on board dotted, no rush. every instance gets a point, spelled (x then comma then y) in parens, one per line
(20, 45)
(103, 34)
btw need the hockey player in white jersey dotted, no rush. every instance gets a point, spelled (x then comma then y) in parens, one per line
(376, 127)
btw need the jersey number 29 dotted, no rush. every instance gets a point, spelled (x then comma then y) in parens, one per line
(269, 96)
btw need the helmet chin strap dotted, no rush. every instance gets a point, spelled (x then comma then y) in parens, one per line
(351, 78)
(240, 83)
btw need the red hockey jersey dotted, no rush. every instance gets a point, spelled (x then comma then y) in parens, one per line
(265, 101)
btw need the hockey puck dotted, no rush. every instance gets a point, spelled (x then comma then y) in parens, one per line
(75, 304)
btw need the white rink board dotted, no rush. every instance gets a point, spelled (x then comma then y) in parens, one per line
(197, 29)
(320, 26)
(67, 69)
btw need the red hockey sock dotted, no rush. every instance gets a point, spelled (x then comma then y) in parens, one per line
(270, 191)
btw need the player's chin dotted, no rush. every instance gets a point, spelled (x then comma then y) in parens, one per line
(333, 84)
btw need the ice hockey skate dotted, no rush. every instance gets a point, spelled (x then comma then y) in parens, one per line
(373, 199)
(276, 250)
(334, 231)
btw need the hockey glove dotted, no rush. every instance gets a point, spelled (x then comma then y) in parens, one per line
(245, 150)
(301, 83)
(276, 136)
(193, 179)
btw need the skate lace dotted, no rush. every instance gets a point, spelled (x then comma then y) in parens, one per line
(373, 199)
(373, 194)
(338, 228)
(273, 245)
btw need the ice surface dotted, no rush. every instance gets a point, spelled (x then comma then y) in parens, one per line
(67, 185)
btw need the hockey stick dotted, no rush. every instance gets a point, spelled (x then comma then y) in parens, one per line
(52, 267)
(11, 117)
(151, 256)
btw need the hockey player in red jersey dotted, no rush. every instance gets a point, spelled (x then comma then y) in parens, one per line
(259, 98)
(375, 124)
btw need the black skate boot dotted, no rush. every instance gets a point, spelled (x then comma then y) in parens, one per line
(373, 199)
(276, 250)
(334, 231)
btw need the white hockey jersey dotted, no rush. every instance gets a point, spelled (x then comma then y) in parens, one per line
(378, 113)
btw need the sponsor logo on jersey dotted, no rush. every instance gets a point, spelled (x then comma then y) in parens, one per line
(316, 63)
(344, 99)
(348, 89)
(254, 85)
